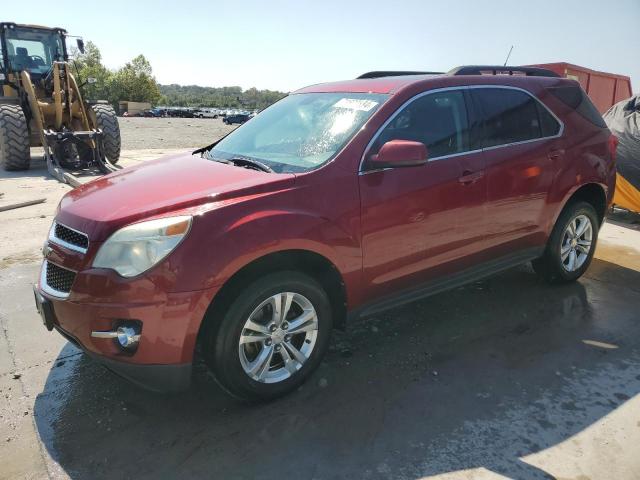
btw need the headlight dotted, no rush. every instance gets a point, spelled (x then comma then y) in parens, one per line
(138, 247)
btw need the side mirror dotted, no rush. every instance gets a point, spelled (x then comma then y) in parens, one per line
(399, 153)
(80, 43)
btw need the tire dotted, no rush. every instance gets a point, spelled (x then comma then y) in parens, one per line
(107, 121)
(14, 138)
(231, 361)
(552, 267)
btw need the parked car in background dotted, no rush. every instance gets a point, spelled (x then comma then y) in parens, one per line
(339, 201)
(205, 113)
(154, 112)
(180, 113)
(236, 118)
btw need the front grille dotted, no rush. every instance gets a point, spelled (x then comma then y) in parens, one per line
(58, 278)
(70, 236)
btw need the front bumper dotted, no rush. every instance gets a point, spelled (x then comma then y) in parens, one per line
(156, 378)
(170, 324)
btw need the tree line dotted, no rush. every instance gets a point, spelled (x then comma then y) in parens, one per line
(197, 96)
(135, 82)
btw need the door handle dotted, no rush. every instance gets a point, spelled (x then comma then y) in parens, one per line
(556, 154)
(468, 177)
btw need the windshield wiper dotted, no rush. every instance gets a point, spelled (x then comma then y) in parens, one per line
(244, 162)
(221, 160)
(250, 163)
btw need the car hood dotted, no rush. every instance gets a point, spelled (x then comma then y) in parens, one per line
(153, 188)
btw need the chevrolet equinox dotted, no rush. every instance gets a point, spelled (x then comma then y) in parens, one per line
(339, 201)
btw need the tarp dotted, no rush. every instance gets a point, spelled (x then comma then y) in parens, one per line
(623, 119)
(626, 195)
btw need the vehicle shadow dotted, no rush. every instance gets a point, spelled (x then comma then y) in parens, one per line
(37, 168)
(481, 376)
(624, 218)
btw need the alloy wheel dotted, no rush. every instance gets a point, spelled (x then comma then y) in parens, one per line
(576, 243)
(278, 337)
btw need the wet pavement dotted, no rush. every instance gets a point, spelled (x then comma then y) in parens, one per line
(507, 377)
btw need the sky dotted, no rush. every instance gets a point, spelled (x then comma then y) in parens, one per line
(285, 45)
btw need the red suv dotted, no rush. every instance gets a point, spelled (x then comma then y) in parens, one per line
(341, 200)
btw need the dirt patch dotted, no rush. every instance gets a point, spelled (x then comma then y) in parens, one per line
(25, 257)
(158, 133)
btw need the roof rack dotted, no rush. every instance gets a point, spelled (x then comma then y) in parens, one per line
(389, 73)
(502, 70)
(470, 70)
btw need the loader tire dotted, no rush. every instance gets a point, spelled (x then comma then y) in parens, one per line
(107, 121)
(14, 138)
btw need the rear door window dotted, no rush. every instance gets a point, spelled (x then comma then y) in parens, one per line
(439, 120)
(512, 116)
(549, 126)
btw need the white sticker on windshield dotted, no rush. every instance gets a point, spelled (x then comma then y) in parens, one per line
(356, 104)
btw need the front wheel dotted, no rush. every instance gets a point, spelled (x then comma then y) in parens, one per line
(571, 246)
(271, 338)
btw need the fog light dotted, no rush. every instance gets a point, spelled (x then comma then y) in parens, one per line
(127, 337)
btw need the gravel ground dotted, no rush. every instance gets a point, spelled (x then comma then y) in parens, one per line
(152, 133)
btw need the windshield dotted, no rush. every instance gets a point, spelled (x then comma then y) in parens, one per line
(33, 49)
(300, 132)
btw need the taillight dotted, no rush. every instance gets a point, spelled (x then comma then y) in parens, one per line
(613, 146)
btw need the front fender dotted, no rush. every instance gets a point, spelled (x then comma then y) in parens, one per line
(220, 245)
(263, 233)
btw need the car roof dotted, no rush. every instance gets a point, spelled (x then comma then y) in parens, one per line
(394, 84)
(367, 85)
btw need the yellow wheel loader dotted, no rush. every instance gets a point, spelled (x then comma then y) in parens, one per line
(41, 104)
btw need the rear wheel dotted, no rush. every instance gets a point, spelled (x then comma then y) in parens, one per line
(14, 138)
(571, 246)
(271, 338)
(107, 121)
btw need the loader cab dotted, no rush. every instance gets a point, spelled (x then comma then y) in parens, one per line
(30, 48)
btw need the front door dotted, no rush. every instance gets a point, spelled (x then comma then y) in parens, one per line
(423, 222)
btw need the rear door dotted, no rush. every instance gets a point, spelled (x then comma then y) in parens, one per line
(425, 221)
(522, 152)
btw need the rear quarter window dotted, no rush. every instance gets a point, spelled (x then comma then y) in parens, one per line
(574, 97)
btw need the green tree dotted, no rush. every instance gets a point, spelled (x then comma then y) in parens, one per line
(135, 82)
(197, 96)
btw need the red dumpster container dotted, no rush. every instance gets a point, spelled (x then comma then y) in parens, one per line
(604, 89)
